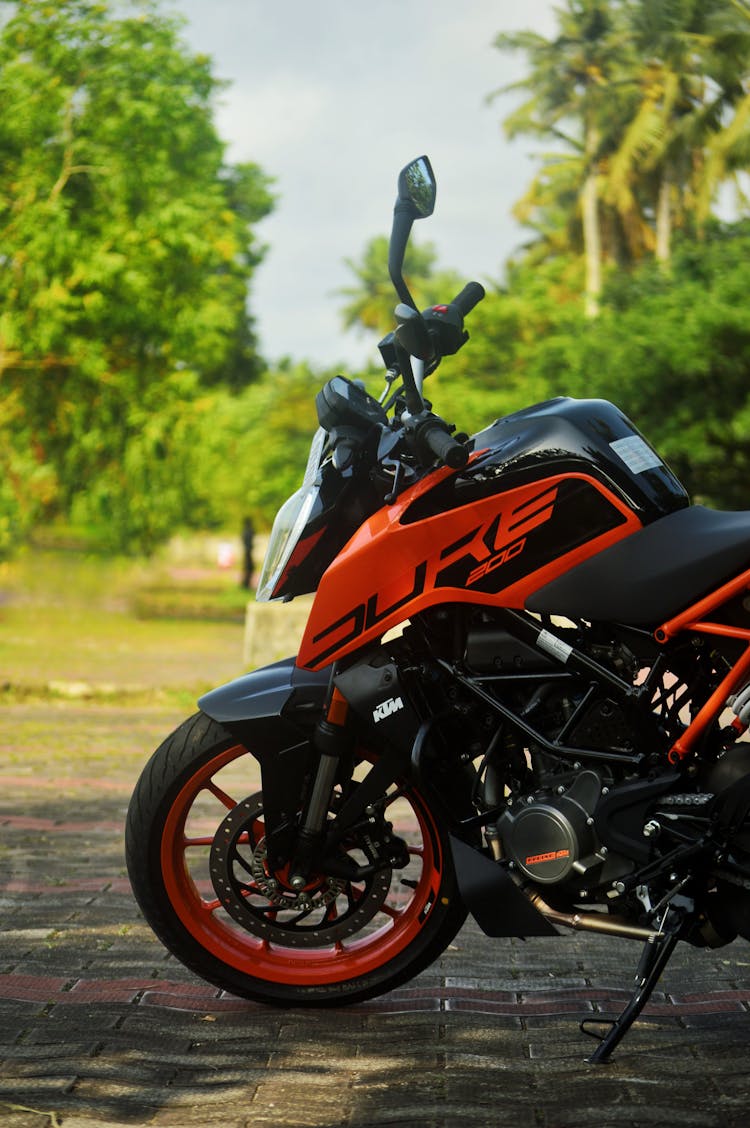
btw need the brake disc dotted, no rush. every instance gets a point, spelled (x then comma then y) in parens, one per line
(326, 910)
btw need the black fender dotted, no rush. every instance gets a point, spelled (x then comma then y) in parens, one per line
(281, 688)
(272, 711)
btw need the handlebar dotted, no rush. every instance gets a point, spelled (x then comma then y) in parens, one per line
(432, 433)
(445, 323)
(470, 296)
(428, 336)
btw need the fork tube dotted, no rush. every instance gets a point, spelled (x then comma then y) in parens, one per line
(331, 738)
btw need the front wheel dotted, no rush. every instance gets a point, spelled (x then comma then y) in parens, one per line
(195, 843)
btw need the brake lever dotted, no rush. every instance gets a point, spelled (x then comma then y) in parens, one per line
(412, 333)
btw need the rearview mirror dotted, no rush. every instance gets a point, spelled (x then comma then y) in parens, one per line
(417, 187)
(416, 199)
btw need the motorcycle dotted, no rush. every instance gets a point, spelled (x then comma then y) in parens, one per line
(520, 694)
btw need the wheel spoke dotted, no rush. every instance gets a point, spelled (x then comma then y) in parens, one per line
(415, 851)
(353, 897)
(247, 867)
(394, 914)
(222, 796)
(301, 916)
(250, 890)
(205, 841)
(270, 909)
(331, 914)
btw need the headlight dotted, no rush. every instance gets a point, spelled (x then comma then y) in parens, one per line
(290, 523)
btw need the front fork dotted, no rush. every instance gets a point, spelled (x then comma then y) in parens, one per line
(332, 739)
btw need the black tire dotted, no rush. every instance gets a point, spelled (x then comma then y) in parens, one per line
(247, 945)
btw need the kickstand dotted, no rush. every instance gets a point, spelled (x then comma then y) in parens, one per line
(654, 958)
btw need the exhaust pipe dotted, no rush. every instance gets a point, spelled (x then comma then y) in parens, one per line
(591, 922)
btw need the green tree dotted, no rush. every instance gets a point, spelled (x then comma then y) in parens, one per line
(671, 349)
(689, 118)
(255, 450)
(371, 302)
(572, 84)
(127, 249)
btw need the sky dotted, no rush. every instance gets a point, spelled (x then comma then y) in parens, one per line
(331, 99)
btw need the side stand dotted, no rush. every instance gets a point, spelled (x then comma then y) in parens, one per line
(654, 959)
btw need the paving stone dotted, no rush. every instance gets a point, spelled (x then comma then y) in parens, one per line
(182, 1117)
(34, 1088)
(112, 1031)
(95, 1121)
(17, 1116)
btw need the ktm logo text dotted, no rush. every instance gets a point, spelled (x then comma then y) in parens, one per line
(386, 708)
(551, 856)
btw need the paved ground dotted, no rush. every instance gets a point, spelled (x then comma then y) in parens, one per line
(98, 1026)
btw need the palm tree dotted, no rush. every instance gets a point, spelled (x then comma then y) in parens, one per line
(372, 300)
(690, 110)
(549, 207)
(573, 85)
(728, 148)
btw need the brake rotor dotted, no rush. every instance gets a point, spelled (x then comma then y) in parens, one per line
(326, 910)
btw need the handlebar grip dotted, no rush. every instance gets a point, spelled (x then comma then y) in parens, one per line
(471, 295)
(443, 445)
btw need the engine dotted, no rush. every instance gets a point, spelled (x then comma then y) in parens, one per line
(550, 835)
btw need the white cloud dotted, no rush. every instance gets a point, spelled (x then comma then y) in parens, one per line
(265, 123)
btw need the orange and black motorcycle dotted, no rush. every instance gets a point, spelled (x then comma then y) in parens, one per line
(521, 693)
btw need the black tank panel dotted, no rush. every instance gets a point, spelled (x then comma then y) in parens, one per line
(655, 573)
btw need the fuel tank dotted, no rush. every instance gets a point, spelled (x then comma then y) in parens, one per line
(545, 489)
(559, 435)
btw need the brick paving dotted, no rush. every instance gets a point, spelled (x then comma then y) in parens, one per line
(100, 1027)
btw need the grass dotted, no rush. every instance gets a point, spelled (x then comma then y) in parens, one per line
(100, 659)
(74, 623)
(203, 598)
(49, 748)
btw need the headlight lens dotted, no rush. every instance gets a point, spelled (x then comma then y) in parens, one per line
(290, 523)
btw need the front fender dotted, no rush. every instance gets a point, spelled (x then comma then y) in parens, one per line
(267, 692)
(272, 711)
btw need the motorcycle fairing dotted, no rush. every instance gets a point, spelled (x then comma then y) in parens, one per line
(495, 551)
(655, 573)
(492, 897)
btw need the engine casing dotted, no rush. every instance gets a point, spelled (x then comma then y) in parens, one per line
(550, 836)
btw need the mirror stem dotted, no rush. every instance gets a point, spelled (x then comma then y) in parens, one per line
(414, 402)
(402, 224)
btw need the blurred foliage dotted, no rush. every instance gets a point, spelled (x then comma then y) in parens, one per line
(647, 105)
(628, 287)
(133, 399)
(671, 349)
(127, 248)
(254, 445)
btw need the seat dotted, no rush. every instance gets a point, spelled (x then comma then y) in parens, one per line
(655, 573)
